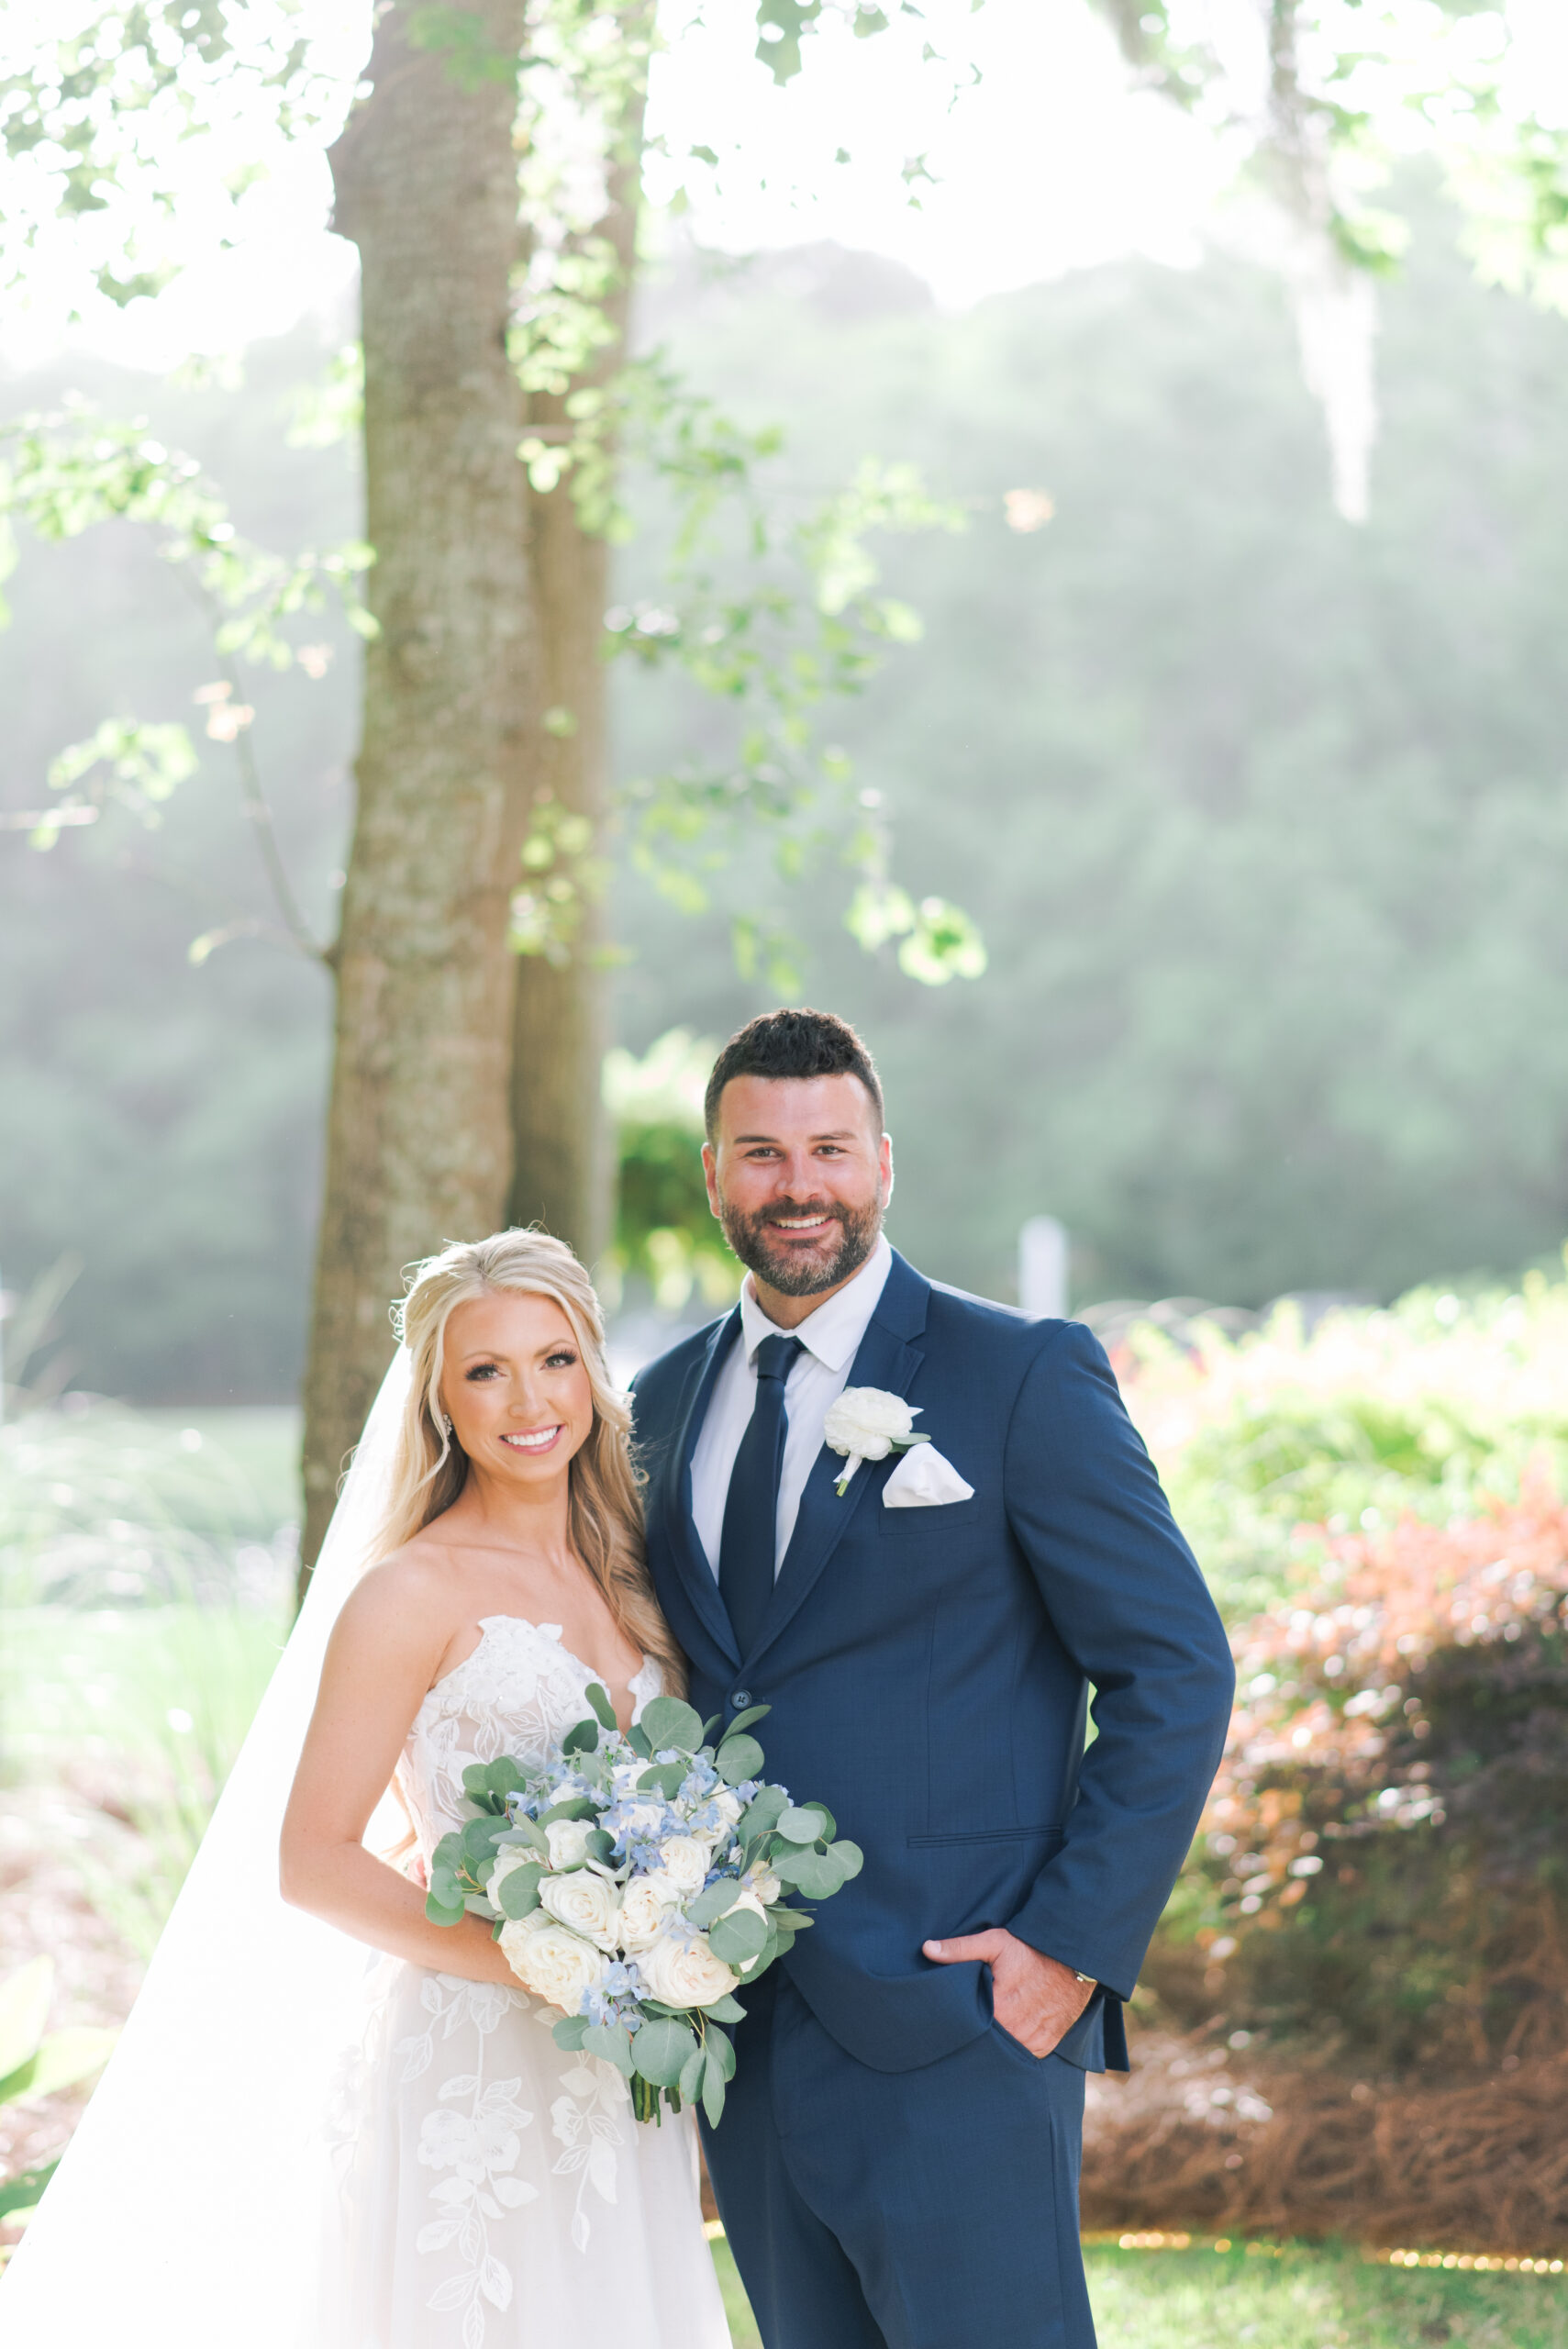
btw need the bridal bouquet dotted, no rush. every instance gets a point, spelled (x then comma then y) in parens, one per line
(637, 1880)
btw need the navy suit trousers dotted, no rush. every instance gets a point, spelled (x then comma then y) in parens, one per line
(935, 2209)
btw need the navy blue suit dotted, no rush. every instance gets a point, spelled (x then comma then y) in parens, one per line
(894, 2170)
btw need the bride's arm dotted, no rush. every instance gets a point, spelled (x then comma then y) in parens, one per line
(382, 1659)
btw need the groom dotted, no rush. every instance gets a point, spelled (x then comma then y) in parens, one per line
(897, 2164)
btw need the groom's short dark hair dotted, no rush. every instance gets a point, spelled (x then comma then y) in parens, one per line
(792, 1043)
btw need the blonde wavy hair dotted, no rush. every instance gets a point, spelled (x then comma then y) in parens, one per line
(603, 1500)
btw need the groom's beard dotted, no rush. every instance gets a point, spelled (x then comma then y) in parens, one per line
(802, 1272)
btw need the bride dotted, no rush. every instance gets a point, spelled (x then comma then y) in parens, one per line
(394, 2153)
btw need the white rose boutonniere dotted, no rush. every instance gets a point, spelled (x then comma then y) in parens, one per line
(867, 1423)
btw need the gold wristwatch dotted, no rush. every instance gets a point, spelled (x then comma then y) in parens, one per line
(1087, 1979)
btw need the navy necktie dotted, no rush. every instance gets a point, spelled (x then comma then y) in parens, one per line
(749, 1542)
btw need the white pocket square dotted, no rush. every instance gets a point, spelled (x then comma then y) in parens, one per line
(923, 1479)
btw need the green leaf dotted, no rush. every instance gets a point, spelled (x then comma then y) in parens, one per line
(601, 1846)
(745, 1720)
(725, 2009)
(612, 2043)
(711, 1728)
(713, 2080)
(505, 1776)
(661, 2050)
(479, 1839)
(448, 1852)
(63, 2057)
(713, 1903)
(737, 1937)
(571, 1807)
(669, 1721)
(22, 2192)
(24, 2011)
(692, 2072)
(570, 2031)
(849, 1858)
(665, 1779)
(637, 1738)
(442, 1912)
(816, 1874)
(519, 1895)
(719, 2046)
(582, 1739)
(476, 1781)
(600, 1701)
(763, 1813)
(738, 1759)
(799, 1826)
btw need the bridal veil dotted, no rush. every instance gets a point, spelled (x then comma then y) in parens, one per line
(186, 2209)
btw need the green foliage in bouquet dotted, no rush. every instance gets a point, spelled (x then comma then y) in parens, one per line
(654, 1990)
(1382, 1881)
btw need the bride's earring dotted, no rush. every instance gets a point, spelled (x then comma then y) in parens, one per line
(446, 1427)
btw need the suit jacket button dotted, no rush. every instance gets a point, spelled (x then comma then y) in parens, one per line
(740, 1699)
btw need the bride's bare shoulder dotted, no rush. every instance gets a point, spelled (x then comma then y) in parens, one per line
(411, 1589)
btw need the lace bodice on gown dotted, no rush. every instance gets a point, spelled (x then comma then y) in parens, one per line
(493, 2191)
(519, 1693)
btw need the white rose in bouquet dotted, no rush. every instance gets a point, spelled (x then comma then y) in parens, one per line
(555, 1965)
(644, 1907)
(683, 1864)
(586, 1904)
(568, 1841)
(683, 1976)
(765, 1885)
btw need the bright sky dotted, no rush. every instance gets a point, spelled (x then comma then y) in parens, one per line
(1044, 163)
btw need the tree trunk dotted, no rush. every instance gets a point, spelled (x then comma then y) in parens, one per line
(563, 1166)
(419, 1142)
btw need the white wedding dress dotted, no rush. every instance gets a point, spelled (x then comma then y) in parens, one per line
(298, 2144)
(489, 2191)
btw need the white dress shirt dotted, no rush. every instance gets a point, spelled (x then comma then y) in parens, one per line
(829, 1339)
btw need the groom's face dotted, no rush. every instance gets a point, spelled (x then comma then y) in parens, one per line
(799, 1174)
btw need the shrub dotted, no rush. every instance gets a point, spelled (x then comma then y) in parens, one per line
(1382, 1873)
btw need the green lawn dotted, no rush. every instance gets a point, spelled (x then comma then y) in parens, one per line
(1305, 2299)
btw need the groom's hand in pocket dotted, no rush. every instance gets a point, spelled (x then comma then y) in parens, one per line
(1033, 1998)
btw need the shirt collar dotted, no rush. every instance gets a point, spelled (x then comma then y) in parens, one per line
(834, 1331)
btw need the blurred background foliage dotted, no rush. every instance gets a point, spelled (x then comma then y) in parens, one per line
(1260, 815)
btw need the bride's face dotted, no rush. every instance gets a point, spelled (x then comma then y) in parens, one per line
(515, 1387)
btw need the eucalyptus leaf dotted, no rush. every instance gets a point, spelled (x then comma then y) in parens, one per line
(713, 2078)
(692, 2072)
(665, 1779)
(637, 1738)
(24, 2191)
(601, 1846)
(710, 1729)
(849, 1858)
(600, 1701)
(570, 2031)
(738, 1759)
(613, 2043)
(737, 1937)
(719, 2046)
(569, 1807)
(519, 1895)
(661, 2049)
(725, 2009)
(713, 1903)
(440, 1912)
(816, 1874)
(763, 1813)
(476, 1781)
(670, 1722)
(800, 1826)
(505, 1776)
(745, 1720)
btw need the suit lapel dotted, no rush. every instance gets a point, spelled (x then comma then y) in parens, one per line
(675, 1493)
(885, 1359)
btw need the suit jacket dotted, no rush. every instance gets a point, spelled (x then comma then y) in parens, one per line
(929, 1669)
